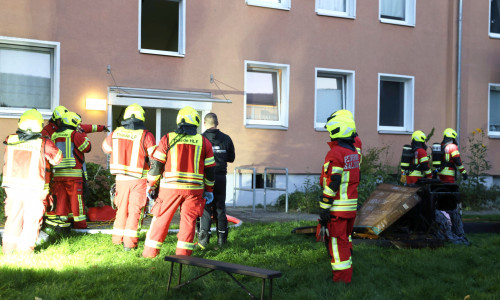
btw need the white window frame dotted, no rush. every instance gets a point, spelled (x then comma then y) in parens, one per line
(495, 87)
(282, 123)
(349, 92)
(492, 34)
(410, 14)
(55, 47)
(181, 34)
(350, 10)
(285, 4)
(409, 93)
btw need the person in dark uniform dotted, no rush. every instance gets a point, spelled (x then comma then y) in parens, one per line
(223, 148)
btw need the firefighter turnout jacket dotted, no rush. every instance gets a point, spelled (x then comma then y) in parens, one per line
(419, 167)
(451, 160)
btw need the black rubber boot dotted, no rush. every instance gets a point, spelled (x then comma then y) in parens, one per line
(203, 239)
(222, 237)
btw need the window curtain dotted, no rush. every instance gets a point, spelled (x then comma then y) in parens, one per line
(494, 110)
(495, 16)
(393, 8)
(335, 5)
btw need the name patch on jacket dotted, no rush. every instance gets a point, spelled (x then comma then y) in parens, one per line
(351, 162)
(127, 135)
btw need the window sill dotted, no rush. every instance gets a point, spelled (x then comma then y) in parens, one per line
(494, 35)
(16, 114)
(157, 52)
(268, 5)
(335, 15)
(494, 135)
(272, 127)
(394, 22)
(394, 132)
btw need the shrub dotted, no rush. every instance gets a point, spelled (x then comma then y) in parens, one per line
(99, 183)
(305, 200)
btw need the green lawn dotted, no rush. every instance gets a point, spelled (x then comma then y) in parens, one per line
(90, 267)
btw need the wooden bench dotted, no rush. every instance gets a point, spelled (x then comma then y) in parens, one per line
(228, 268)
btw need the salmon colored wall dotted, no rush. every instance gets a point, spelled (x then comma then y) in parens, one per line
(221, 35)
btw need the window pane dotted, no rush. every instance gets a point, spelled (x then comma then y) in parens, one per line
(262, 95)
(495, 16)
(160, 25)
(494, 110)
(330, 95)
(393, 9)
(391, 103)
(335, 5)
(25, 78)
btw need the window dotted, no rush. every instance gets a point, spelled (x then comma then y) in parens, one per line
(266, 95)
(495, 18)
(401, 12)
(395, 103)
(334, 91)
(494, 111)
(29, 76)
(162, 27)
(336, 8)
(279, 4)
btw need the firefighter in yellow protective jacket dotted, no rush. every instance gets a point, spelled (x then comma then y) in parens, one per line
(189, 171)
(27, 155)
(130, 147)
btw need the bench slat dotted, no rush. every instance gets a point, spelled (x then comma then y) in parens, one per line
(223, 266)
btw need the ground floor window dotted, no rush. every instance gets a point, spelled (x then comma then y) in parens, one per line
(494, 111)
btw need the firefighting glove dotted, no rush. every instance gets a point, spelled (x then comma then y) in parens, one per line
(105, 128)
(324, 216)
(209, 197)
(465, 176)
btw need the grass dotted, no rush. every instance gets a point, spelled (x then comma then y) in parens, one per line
(79, 266)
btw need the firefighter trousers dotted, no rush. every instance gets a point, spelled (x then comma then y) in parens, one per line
(130, 200)
(340, 248)
(191, 207)
(69, 195)
(24, 210)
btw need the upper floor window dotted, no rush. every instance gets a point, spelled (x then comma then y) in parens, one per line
(334, 91)
(395, 104)
(400, 12)
(495, 18)
(162, 27)
(494, 111)
(336, 8)
(29, 76)
(279, 4)
(266, 95)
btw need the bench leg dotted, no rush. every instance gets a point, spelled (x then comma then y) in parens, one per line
(242, 286)
(170, 276)
(270, 288)
(180, 273)
(263, 289)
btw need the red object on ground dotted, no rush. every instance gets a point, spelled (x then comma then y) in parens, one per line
(233, 219)
(105, 213)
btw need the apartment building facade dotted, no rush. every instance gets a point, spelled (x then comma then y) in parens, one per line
(272, 70)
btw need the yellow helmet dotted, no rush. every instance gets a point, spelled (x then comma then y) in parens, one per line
(71, 119)
(340, 127)
(134, 111)
(418, 136)
(448, 132)
(31, 120)
(343, 113)
(188, 115)
(58, 112)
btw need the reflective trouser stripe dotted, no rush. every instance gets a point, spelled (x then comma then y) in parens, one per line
(130, 233)
(185, 245)
(10, 239)
(153, 244)
(118, 232)
(342, 265)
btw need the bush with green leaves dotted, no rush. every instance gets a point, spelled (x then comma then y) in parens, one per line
(374, 171)
(99, 183)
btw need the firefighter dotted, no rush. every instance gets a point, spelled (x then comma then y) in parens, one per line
(419, 165)
(130, 147)
(357, 141)
(27, 155)
(451, 158)
(70, 174)
(188, 165)
(339, 181)
(223, 149)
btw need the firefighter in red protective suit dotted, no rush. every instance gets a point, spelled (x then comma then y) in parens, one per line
(70, 174)
(27, 155)
(338, 204)
(419, 166)
(130, 147)
(188, 177)
(451, 158)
